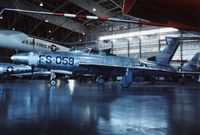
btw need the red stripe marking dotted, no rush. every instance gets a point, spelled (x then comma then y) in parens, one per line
(58, 14)
(81, 16)
(103, 18)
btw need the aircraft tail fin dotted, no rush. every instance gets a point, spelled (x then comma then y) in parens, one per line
(166, 55)
(193, 64)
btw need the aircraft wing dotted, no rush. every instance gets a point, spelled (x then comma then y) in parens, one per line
(30, 74)
(42, 73)
(94, 65)
(62, 72)
(189, 72)
(134, 68)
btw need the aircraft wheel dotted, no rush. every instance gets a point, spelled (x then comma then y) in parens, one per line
(124, 83)
(100, 80)
(114, 79)
(1, 78)
(153, 80)
(182, 81)
(53, 82)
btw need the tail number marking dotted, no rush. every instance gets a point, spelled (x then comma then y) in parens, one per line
(48, 59)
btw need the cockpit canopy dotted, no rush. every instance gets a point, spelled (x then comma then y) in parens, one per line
(94, 51)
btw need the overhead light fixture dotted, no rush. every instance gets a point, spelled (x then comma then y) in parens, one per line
(142, 37)
(113, 40)
(51, 38)
(46, 21)
(1, 17)
(49, 31)
(41, 4)
(13, 28)
(94, 9)
(130, 38)
(83, 33)
(80, 40)
(138, 33)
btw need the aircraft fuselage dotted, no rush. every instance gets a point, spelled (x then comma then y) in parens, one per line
(97, 64)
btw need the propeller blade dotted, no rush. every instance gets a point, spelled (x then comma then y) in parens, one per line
(102, 18)
(105, 18)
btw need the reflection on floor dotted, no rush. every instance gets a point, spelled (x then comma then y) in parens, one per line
(32, 107)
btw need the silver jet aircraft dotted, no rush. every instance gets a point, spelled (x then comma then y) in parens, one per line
(23, 42)
(104, 65)
(20, 41)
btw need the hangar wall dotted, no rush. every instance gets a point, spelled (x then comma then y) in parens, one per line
(147, 45)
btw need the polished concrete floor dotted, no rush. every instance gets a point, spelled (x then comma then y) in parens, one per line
(32, 107)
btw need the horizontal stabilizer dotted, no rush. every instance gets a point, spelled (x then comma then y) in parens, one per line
(193, 64)
(78, 16)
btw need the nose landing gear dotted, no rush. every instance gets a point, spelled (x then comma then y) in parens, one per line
(53, 80)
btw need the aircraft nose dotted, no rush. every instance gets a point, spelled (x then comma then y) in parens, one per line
(20, 58)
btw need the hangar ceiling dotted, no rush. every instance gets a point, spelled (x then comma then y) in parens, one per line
(58, 28)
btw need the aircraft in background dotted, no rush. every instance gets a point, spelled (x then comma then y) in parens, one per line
(193, 65)
(7, 69)
(103, 65)
(20, 41)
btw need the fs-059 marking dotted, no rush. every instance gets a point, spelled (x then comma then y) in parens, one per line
(58, 60)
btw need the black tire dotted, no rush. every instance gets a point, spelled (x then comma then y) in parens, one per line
(114, 79)
(182, 81)
(153, 80)
(53, 82)
(124, 83)
(100, 80)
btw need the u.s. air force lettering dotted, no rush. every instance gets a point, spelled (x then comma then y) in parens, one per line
(52, 47)
(59, 60)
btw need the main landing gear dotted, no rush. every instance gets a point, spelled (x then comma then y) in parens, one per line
(182, 80)
(199, 78)
(53, 80)
(100, 80)
(127, 79)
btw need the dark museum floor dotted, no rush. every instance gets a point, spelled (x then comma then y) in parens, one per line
(32, 107)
